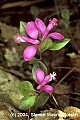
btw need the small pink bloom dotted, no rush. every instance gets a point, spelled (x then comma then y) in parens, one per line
(29, 52)
(42, 81)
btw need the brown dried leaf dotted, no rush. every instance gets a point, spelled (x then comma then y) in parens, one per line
(62, 89)
(73, 112)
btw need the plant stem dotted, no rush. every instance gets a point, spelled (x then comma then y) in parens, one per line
(54, 100)
(40, 56)
(28, 114)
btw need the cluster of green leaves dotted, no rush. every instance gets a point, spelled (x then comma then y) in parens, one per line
(52, 44)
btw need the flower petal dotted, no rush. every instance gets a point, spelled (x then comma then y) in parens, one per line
(56, 36)
(46, 80)
(39, 87)
(39, 75)
(27, 39)
(40, 25)
(52, 23)
(47, 88)
(31, 30)
(29, 52)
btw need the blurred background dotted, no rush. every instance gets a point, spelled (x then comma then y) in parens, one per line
(14, 69)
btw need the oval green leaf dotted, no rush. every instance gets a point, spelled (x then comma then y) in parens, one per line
(40, 100)
(57, 45)
(27, 102)
(26, 88)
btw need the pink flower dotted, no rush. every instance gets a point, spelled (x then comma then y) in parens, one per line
(32, 30)
(42, 80)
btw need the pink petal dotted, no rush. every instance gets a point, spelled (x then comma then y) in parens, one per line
(47, 88)
(31, 30)
(56, 36)
(27, 39)
(40, 25)
(39, 75)
(29, 52)
(52, 23)
(39, 87)
(46, 80)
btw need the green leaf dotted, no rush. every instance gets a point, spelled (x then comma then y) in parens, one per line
(57, 45)
(34, 60)
(26, 88)
(22, 28)
(65, 14)
(37, 65)
(34, 11)
(45, 44)
(40, 100)
(27, 102)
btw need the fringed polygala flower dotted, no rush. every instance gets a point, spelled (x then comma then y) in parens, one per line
(32, 31)
(42, 80)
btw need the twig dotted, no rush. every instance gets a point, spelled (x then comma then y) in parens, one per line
(76, 69)
(75, 93)
(64, 77)
(20, 3)
(55, 100)
(72, 98)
